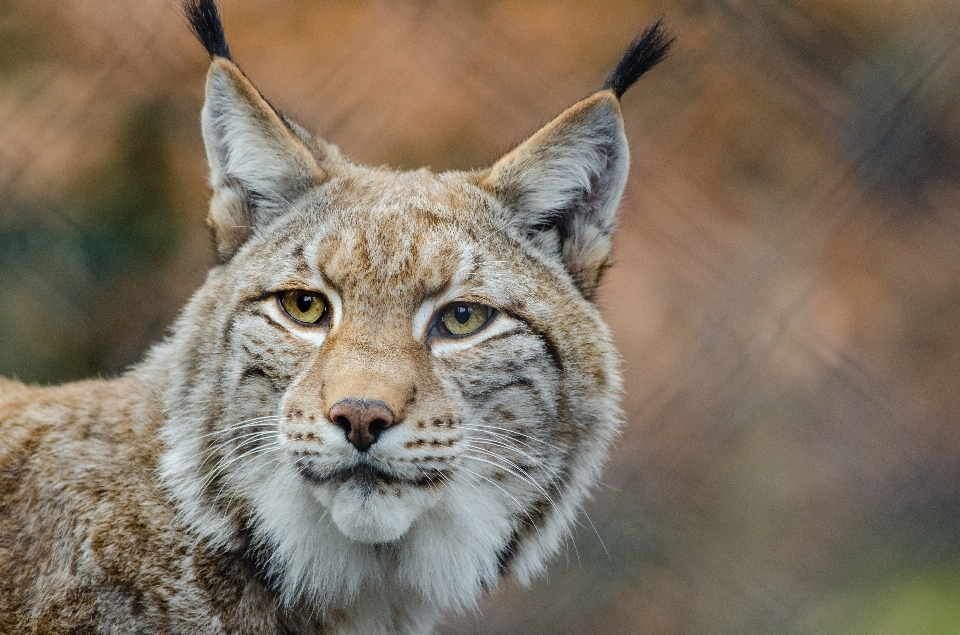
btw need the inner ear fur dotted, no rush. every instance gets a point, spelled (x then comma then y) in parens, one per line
(562, 186)
(259, 162)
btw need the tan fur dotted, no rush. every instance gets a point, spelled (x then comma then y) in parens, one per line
(209, 491)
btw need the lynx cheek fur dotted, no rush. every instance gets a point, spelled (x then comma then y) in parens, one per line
(392, 390)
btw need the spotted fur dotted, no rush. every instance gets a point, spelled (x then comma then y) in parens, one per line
(209, 489)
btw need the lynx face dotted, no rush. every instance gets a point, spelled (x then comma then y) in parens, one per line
(394, 379)
(391, 361)
(417, 354)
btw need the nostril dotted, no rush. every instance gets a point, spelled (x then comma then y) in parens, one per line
(376, 427)
(342, 422)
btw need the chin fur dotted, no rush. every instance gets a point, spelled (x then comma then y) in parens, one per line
(330, 545)
(443, 550)
(375, 514)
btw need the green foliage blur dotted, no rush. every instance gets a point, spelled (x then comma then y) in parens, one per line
(65, 267)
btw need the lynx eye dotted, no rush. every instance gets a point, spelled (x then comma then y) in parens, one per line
(463, 318)
(306, 307)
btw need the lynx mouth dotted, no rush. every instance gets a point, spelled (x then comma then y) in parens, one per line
(371, 505)
(370, 477)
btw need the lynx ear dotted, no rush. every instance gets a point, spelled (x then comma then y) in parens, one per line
(258, 164)
(563, 185)
(259, 161)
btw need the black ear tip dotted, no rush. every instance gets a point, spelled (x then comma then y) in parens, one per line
(646, 51)
(203, 16)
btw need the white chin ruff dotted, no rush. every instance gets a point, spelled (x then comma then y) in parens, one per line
(374, 514)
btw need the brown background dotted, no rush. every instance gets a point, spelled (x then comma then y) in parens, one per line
(786, 293)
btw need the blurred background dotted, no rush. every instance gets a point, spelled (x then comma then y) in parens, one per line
(786, 288)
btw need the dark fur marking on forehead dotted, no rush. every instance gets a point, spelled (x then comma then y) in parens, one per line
(298, 260)
(646, 51)
(328, 279)
(203, 16)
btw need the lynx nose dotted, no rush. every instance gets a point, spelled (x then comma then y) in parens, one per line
(362, 420)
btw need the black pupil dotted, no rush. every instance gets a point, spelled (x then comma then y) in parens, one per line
(304, 302)
(462, 313)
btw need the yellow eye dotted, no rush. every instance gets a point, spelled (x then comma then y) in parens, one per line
(464, 318)
(304, 306)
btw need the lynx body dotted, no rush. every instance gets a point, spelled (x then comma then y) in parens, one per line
(392, 390)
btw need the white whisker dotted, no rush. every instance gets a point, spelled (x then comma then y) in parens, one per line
(520, 507)
(479, 426)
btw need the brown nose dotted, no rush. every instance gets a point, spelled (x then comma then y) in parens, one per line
(362, 419)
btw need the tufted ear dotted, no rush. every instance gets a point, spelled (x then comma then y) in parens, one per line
(258, 163)
(562, 185)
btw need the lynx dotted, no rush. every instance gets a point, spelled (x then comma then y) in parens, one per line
(392, 390)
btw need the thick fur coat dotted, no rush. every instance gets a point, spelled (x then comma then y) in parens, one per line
(391, 391)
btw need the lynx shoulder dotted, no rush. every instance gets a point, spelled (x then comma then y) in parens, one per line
(391, 391)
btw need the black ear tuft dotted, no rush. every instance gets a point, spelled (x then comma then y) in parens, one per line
(646, 51)
(204, 19)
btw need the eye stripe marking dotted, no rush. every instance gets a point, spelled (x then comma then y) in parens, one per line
(502, 336)
(272, 315)
(500, 326)
(269, 319)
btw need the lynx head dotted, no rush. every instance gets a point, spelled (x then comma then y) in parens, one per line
(395, 378)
